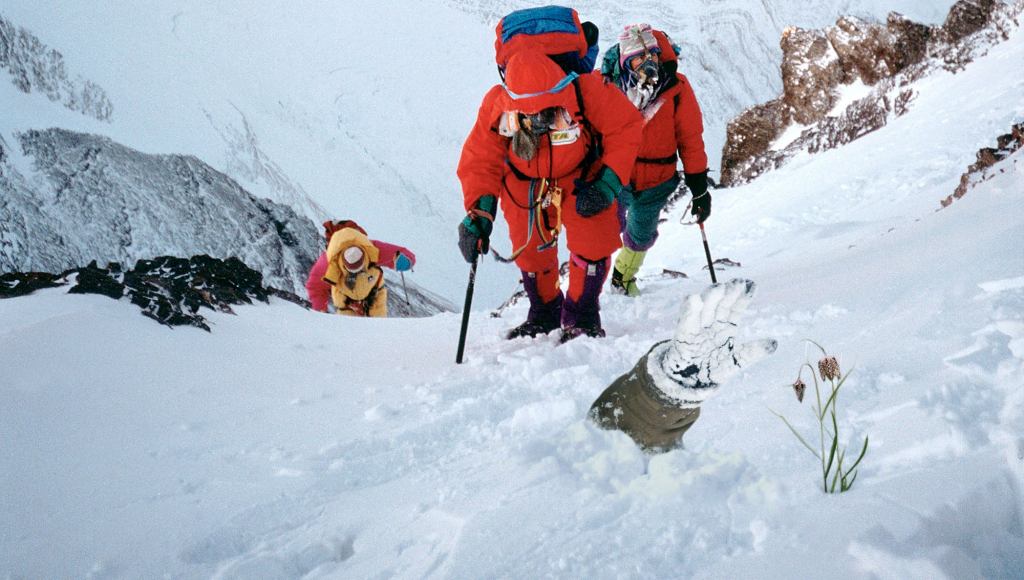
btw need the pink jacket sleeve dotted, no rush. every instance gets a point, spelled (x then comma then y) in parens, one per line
(389, 253)
(319, 291)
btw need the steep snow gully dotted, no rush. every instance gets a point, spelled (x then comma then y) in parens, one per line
(288, 444)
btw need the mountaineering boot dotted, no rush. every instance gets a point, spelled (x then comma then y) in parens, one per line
(581, 310)
(627, 264)
(543, 317)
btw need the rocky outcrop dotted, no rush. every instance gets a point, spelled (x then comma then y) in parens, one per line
(988, 159)
(174, 291)
(811, 70)
(967, 17)
(34, 67)
(818, 65)
(171, 291)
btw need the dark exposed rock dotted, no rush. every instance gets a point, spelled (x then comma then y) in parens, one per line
(169, 290)
(95, 280)
(173, 290)
(910, 41)
(967, 17)
(16, 284)
(986, 159)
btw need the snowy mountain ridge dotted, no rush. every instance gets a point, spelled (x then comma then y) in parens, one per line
(35, 67)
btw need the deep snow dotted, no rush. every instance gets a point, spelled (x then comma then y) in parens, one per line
(289, 444)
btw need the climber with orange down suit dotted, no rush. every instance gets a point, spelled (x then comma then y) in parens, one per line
(534, 149)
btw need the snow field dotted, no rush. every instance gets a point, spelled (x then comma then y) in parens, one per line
(288, 444)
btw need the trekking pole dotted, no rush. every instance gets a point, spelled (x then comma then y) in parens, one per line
(707, 252)
(405, 288)
(465, 310)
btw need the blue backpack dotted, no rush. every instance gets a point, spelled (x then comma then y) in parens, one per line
(554, 30)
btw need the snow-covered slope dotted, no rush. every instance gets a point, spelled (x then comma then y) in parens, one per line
(286, 444)
(358, 109)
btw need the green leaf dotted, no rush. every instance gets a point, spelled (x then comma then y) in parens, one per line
(850, 485)
(831, 456)
(863, 451)
(786, 421)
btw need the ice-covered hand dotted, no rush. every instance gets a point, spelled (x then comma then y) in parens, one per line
(702, 355)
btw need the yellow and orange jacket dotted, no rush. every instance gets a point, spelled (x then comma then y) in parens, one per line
(360, 293)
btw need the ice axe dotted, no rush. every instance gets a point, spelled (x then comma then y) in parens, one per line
(469, 301)
(707, 252)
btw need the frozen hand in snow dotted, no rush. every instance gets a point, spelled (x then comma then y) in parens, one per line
(703, 354)
(659, 399)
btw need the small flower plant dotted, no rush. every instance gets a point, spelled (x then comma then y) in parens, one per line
(836, 475)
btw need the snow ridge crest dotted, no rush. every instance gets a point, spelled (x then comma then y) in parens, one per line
(34, 67)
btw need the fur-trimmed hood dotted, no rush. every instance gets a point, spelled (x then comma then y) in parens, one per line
(342, 240)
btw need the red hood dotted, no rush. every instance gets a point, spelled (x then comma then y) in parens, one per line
(533, 73)
(668, 54)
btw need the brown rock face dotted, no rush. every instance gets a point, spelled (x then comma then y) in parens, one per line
(888, 57)
(988, 157)
(859, 119)
(865, 50)
(810, 72)
(967, 17)
(910, 41)
(749, 137)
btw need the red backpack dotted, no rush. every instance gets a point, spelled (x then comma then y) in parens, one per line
(331, 226)
(554, 30)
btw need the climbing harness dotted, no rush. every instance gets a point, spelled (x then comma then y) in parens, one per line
(544, 194)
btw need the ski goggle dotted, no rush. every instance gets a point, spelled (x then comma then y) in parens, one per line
(549, 119)
(539, 123)
(566, 81)
(650, 59)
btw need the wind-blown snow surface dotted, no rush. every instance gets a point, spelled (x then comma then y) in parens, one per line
(289, 444)
(358, 109)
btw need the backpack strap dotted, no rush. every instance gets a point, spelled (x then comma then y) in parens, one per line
(595, 136)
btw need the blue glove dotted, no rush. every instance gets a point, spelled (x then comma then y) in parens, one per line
(402, 262)
(593, 197)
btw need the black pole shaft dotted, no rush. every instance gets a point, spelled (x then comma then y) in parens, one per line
(465, 311)
(707, 252)
(405, 288)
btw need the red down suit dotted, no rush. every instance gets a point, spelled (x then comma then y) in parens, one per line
(489, 166)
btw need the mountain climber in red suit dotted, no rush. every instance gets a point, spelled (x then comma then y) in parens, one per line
(388, 255)
(533, 150)
(643, 65)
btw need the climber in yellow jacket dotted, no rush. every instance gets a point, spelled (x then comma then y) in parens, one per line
(356, 280)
